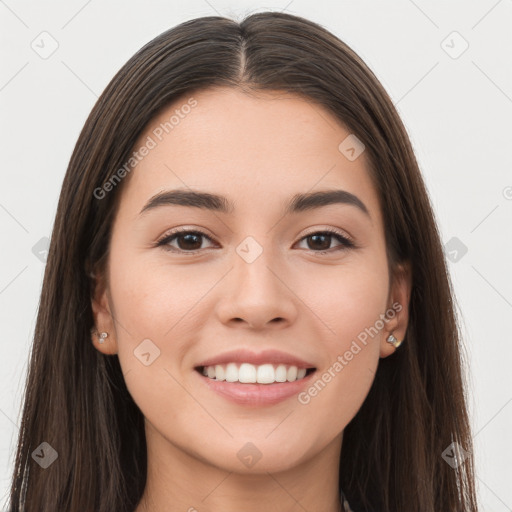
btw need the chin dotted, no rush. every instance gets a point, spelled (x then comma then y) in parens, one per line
(252, 456)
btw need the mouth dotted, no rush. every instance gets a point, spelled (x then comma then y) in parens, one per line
(257, 386)
(255, 379)
(247, 373)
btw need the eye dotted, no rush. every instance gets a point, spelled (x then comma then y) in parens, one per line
(187, 240)
(321, 240)
(190, 241)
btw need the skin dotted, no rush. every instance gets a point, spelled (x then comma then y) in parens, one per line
(258, 152)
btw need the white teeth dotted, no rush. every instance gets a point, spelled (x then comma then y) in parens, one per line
(291, 374)
(220, 374)
(281, 373)
(266, 374)
(231, 372)
(249, 373)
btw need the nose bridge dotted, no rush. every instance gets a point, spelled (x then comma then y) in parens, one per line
(255, 293)
(255, 264)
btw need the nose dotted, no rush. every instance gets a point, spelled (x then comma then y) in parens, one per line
(256, 295)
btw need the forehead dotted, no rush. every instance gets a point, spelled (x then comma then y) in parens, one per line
(250, 148)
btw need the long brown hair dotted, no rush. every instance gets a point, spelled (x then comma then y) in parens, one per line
(75, 397)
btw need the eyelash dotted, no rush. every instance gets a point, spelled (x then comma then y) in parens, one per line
(346, 242)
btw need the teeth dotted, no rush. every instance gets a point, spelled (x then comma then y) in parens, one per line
(220, 373)
(280, 373)
(249, 373)
(291, 375)
(231, 373)
(265, 374)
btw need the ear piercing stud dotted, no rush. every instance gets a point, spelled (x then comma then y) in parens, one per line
(394, 341)
(101, 336)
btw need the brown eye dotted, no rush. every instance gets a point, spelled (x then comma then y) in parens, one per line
(186, 240)
(321, 241)
(190, 241)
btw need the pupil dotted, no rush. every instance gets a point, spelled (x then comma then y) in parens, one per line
(325, 237)
(189, 237)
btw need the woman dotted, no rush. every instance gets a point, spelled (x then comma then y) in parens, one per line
(199, 344)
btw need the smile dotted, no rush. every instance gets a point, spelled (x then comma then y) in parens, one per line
(248, 373)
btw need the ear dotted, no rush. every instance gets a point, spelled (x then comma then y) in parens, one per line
(398, 308)
(103, 319)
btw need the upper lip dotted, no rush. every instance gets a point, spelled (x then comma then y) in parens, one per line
(256, 358)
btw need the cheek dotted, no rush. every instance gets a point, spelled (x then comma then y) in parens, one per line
(350, 306)
(152, 307)
(156, 312)
(347, 301)
(153, 297)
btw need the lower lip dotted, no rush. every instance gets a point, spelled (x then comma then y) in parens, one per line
(256, 394)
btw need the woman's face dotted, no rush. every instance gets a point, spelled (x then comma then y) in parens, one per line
(257, 290)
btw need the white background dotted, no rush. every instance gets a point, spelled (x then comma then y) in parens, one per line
(457, 111)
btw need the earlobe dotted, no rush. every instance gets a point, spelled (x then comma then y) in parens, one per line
(102, 344)
(390, 339)
(395, 330)
(103, 334)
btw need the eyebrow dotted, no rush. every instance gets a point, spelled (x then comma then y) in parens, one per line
(298, 203)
